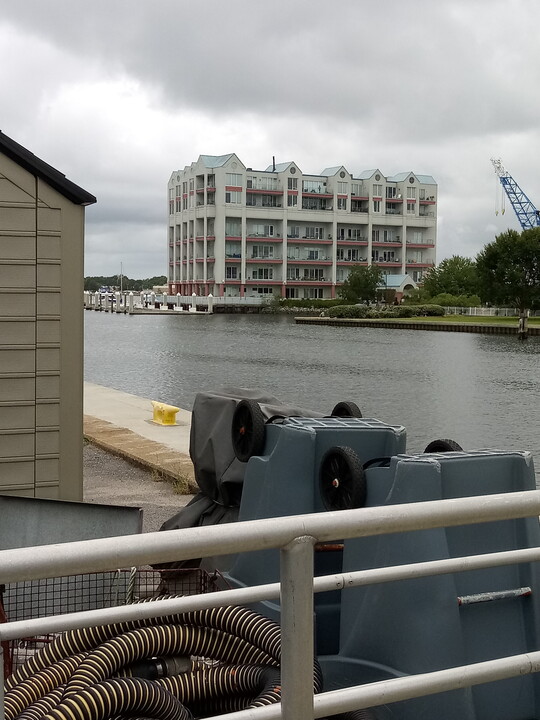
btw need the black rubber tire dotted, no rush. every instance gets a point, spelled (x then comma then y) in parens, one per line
(442, 446)
(342, 481)
(346, 409)
(247, 430)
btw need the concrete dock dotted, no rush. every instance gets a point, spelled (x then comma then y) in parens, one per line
(122, 424)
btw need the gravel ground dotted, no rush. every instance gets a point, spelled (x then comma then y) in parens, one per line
(110, 480)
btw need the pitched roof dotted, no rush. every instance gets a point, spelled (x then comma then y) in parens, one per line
(43, 170)
(214, 161)
(331, 171)
(424, 179)
(365, 174)
(280, 167)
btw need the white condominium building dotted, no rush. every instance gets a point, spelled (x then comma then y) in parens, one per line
(238, 231)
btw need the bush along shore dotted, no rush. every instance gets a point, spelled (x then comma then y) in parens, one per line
(363, 312)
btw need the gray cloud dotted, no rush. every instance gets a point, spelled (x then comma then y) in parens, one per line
(117, 95)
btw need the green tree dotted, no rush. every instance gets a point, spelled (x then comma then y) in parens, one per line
(453, 276)
(509, 271)
(362, 284)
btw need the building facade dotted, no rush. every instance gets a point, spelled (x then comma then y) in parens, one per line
(42, 217)
(235, 231)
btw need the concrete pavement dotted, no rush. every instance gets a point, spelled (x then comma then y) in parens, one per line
(122, 424)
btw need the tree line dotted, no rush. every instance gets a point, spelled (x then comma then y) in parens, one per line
(93, 284)
(505, 273)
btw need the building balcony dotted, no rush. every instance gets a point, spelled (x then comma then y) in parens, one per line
(315, 206)
(360, 261)
(419, 264)
(392, 211)
(263, 281)
(260, 191)
(321, 192)
(253, 259)
(296, 282)
(394, 199)
(263, 206)
(233, 256)
(307, 261)
(264, 238)
(387, 263)
(426, 244)
(386, 243)
(352, 241)
(360, 198)
(359, 210)
(233, 237)
(311, 241)
(428, 201)
(426, 214)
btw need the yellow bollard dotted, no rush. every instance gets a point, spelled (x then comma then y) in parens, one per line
(164, 414)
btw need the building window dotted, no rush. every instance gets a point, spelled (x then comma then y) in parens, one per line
(377, 190)
(293, 231)
(342, 203)
(411, 193)
(292, 183)
(263, 274)
(313, 255)
(292, 200)
(265, 252)
(314, 233)
(260, 230)
(231, 273)
(233, 228)
(191, 185)
(262, 290)
(315, 292)
(376, 206)
(233, 196)
(422, 192)
(411, 207)
(391, 192)
(314, 186)
(343, 188)
(233, 179)
(232, 250)
(184, 187)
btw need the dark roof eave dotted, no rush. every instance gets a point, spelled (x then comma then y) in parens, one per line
(43, 170)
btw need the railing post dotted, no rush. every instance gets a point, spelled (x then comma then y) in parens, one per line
(297, 628)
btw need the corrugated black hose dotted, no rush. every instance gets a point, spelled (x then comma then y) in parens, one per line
(205, 662)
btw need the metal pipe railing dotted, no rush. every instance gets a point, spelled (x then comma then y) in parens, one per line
(295, 536)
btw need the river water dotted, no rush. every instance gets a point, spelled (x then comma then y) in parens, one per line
(481, 390)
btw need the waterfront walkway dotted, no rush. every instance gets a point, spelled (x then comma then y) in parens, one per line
(122, 424)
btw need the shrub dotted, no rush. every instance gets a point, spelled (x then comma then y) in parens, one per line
(349, 311)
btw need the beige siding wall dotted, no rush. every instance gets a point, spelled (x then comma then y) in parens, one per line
(41, 327)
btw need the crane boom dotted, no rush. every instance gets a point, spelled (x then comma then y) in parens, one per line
(527, 214)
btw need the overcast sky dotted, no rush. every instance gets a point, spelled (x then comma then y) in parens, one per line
(117, 95)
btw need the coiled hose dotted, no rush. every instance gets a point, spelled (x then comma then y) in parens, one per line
(204, 662)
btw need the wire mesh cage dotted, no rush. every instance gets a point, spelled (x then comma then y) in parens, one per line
(91, 591)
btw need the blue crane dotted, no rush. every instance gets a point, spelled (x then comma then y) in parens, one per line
(527, 214)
